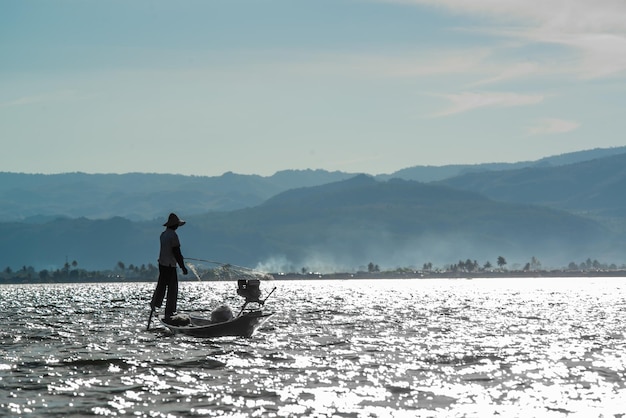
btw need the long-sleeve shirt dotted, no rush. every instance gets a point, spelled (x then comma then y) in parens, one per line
(170, 249)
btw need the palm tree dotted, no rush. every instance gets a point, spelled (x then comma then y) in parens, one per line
(501, 261)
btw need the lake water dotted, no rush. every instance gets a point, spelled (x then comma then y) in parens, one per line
(353, 348)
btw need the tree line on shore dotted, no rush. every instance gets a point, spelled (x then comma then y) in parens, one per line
(70, 272)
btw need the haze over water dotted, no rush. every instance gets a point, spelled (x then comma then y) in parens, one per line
(355, 348)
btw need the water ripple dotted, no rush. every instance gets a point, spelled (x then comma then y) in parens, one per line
(518, 347)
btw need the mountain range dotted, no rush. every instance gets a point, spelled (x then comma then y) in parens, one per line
(558, 209)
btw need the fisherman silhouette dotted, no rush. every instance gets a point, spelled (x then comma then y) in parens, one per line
(169, 256)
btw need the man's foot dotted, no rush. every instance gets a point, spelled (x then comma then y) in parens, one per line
(177, 320)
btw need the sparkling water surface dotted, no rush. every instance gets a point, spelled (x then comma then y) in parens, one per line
(351, 348)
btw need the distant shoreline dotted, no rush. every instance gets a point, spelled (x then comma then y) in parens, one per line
(455, 275)
(416, 275)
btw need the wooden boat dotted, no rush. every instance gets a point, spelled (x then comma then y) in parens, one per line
(244, 325)
(222, 322)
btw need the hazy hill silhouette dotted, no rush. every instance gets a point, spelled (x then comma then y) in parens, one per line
(334, 220)
(332, 227)
(141, 196)
(398, 221)
(437, 173)
(593, 187)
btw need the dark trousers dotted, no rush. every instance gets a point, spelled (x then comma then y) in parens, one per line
(168, 280)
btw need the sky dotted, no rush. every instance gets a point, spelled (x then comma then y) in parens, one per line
(204, 87)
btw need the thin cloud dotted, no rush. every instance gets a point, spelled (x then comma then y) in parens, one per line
(602, 54)
(511, 72)
(38, 99)
(22, 101)
(387, 65)
(596, 30)
(564, 16)
(468, 101)
(553, 126)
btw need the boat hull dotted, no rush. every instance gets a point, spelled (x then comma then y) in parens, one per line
(244, 325)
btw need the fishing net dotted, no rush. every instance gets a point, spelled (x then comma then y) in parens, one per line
(205, 270)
